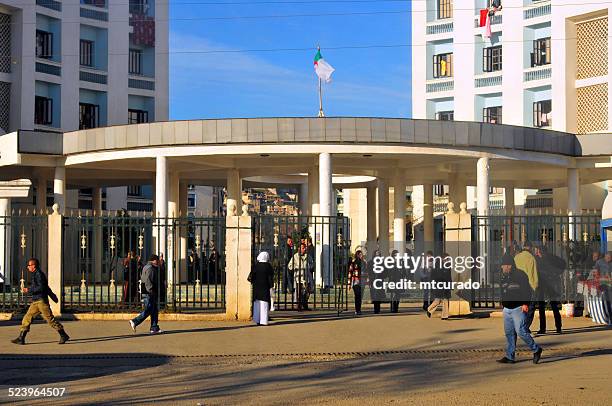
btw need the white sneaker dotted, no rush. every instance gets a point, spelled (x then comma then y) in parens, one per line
(133, 326)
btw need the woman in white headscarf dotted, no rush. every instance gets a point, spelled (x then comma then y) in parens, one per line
(262, 279)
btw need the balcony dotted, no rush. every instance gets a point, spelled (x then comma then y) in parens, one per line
(439, 27)
(538, 9)
(93, 13)
(488, 79)
(537, 73)
(50, 4)
(48, 67)
(93, 76)
(141, 82)
(440, 85)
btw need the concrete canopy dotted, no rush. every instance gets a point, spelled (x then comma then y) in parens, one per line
(202, 151)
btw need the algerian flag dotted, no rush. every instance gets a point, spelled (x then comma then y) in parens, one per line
(322, 68)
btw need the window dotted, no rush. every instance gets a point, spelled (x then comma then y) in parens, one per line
(438, 190)
(135, 61)
(89, 116)
(43, 110)
(96, 3)
(443, 65)
(541, 52)
(139, 6)
(492, 59)
(191, 200)
(542, 113)
(44, 44)
(86, 52)
(133, 190)
(445, 9)
(445, 115)
(492, 115)
(138, 116)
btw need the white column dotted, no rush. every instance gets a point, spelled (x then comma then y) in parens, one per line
(161, 186)
(234, 192)
(428, 216)
(41, 194)
(59, 188)
(457, 190)
(5, 239)
(183, 192)
(161, 212)
(96, 200)
(509, 199)
(313, 191)
(399, 213)
(371, 219)
(383, 216)
(482, 186)
(303, 199)
(173, 194)
(325, 210)
(573, 202)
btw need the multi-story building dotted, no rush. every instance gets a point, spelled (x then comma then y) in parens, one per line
(544, 65)
(66, 66)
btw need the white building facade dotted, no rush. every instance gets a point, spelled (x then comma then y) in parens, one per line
(545, 65)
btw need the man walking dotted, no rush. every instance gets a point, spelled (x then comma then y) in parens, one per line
(39, 288)
(526, 262)
(150, 290)
(357, 274)
(516, 295)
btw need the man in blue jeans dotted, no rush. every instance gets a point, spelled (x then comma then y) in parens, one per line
(516, 296)
(149, 287)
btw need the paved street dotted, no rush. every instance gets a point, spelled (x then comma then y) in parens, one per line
(313, 358)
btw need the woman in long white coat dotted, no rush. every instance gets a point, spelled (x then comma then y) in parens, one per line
(262, 279)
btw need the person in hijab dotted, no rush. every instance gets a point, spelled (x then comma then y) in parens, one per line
(262, 279)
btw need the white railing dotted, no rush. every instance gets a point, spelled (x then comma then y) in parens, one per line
(497, 18)
(439, 27)
(537, 73)
(488, 79)
(440, 85)
(538, 9)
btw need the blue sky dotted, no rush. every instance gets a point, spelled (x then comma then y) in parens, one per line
(367, 82)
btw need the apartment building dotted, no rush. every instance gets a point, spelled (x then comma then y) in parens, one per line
(66, 66)
(544, 64)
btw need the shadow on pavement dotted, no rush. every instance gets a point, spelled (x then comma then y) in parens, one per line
(44, 369)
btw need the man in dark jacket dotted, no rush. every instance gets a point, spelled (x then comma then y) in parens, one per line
(39, 289)
(441, 292)
(550, 269)
(150, 290)
(516, 295)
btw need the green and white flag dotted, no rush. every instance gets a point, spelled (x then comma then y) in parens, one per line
(322, 68)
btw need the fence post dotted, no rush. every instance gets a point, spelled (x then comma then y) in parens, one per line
(55, 257)
(238, 243)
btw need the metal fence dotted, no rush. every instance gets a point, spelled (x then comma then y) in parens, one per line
(326, 254)
(572, 238)
(21, 238)
(103, 257)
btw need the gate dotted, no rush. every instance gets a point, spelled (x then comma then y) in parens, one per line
(494, 234)
(326, 256)
(103, 257)
(21, 238)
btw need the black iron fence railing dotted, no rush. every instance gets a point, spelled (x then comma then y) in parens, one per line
(21, 238)
(104, 258)
(310, 257)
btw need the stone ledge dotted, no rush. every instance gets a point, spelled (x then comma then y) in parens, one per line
(128, 316)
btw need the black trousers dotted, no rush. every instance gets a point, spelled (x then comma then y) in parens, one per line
(395, 306)
(357, 293)
(542, 310)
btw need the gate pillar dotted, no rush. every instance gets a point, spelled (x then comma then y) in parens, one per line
(238, 295)
(54, 260)
(457, 238)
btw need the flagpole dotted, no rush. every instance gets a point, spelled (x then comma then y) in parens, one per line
(321, 114)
